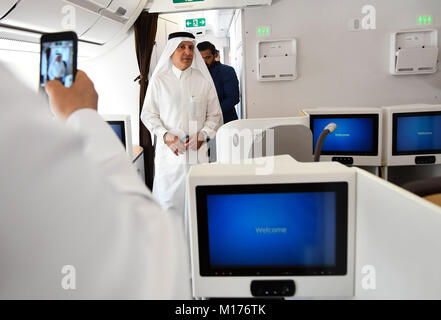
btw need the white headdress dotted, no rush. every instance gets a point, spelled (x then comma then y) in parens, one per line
(165, 62)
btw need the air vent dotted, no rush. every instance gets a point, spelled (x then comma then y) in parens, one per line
(118, 15)
(121, 11)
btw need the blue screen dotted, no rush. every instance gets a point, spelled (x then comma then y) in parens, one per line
(418, 133)
(351, 135)
(118, 130)
(276, 229)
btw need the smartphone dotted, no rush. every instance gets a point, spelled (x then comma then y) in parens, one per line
(58, 57)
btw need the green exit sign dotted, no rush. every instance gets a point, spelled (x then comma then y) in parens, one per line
(191, 23)
(186, 1)
(263, 31)
(424, 20)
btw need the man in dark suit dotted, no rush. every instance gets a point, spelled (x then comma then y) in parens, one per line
(225, 81)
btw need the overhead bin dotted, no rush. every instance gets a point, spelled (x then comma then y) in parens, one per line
(99, 24)
(102, 32)
(47, 16)
(115, 15)
(191, 5)
(128, 6)
(103, 3)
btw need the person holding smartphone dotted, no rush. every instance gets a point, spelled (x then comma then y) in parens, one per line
(77, 222)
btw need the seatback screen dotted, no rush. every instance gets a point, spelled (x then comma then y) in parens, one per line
(118, 127)
(416, 133)
(355, 134)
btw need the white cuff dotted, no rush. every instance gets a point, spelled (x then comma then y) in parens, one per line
(203, 136)
(160, 132)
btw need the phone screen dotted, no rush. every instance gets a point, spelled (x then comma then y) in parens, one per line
(57, 62)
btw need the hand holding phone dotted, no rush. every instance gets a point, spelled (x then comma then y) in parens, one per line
(65, 101)
(58, 57)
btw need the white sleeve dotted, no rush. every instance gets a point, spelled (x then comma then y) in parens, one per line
(107, 151)
(150, 114)
(161, 246)
(214, 117)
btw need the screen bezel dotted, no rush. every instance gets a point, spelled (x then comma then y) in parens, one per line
(395, 117)
(60, 36)
(340, 268)
(375, 131)
(122, 124)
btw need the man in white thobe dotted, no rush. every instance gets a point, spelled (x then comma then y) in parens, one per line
(76, 221)
(182, 109)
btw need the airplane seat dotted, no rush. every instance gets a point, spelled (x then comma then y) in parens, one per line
(429, 189)
(294, 140)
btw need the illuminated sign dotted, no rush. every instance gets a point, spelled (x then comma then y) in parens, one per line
(191, 23)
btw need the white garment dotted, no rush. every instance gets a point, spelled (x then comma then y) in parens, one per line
(56, 70)
(174, 101)
(70, 197)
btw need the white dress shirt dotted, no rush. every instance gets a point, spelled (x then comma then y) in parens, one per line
(182, 103)
(175, 96)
